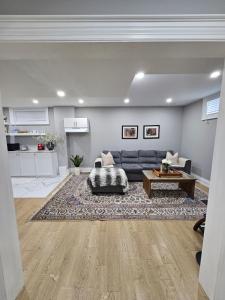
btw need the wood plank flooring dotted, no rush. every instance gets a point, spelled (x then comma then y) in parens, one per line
(107, 260)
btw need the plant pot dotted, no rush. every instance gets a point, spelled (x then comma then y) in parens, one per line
(77, 171)
(50, 146)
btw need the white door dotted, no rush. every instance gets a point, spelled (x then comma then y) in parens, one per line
(27, 164)
(44, 164)
(14, 164)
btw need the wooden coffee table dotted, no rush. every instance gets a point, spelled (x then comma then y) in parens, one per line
(186, 182)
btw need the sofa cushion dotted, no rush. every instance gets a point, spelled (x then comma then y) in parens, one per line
(132, 168)
(161, 154)
(116, 155)
(107, 159)
(150, 166)
(126, 153)
(147, 153)
(129, 156)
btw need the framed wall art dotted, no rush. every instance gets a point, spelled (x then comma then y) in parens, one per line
(151, 131)
(129, 132)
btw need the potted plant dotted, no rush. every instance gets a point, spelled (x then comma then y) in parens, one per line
(76, 160)
(50, 140)
(166, 165)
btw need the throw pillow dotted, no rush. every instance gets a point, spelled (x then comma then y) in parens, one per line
(172, 158)
(107, 159)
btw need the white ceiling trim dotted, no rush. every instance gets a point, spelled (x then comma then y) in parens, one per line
(140, 28)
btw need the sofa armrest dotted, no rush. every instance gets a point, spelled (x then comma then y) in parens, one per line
(182, 161)
(185, 163)
(98, 162)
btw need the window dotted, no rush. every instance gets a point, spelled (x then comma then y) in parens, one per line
(210, 108)
(213, 106)
(28, 116)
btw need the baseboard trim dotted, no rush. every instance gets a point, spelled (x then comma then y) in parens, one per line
(202, 180)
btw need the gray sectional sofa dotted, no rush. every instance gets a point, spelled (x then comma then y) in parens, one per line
(134, 162)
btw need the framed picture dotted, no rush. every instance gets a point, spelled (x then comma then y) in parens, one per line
(129, 132)
(151, 131)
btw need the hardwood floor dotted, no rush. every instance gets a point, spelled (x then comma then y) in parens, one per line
(106, 260)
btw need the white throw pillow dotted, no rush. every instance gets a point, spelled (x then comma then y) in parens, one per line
(107, 159)
(172, 158)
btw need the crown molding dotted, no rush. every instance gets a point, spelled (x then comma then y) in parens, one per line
(112, 28)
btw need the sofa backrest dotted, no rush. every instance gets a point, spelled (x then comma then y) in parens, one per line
(147, 156)
(138, 156)
(129, 156)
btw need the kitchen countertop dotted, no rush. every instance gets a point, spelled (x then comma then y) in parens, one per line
(33, 151)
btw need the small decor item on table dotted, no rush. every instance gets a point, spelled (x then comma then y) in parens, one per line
(50, 140)
(165, 165)
(76, 160)
(129, 132)
(151, 131)
(169, 174)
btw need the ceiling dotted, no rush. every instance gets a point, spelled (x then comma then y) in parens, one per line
(102, 74)
(109, 7)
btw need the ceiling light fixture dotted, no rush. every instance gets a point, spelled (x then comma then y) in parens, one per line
(35, 101)
(140, 75)
(169, 100)
(81, 101)
(61, 93)
(215, 74)
(127, 100)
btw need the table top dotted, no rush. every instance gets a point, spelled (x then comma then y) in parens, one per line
(151, 176)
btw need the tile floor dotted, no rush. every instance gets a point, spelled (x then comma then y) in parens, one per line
(35, 187)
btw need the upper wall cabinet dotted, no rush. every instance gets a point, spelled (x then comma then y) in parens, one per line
(28, 116)
(76, 125)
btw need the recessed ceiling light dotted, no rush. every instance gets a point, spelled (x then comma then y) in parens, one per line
(169, 100)
(215, 74)
(81, 101)
(61, 93)
(140, 75)
(35, 101)
(127, 100)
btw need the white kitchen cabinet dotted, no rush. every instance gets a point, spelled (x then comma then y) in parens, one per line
(33, 163)
(76, 125)
(27, 163)
(14, 163)
(46, 164)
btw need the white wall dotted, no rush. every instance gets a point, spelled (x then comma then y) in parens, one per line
(212, 270)
(11, 276)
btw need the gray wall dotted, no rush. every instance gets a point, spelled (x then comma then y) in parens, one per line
(105, 124)
(78, 7)
(198, 139)
(59, 114)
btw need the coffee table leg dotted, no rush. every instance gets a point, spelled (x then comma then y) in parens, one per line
(188, 187)
(147, 186)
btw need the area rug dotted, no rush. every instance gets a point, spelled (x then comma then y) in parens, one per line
(74, 201)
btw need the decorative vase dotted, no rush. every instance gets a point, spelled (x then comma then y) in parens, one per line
(77, 171)
(165, 168)
(50, 146)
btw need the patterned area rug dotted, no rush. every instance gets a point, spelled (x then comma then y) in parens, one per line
(74, 201)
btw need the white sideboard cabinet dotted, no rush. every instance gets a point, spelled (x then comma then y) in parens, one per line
(33, 163)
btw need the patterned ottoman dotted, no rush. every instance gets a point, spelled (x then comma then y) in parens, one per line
(108, 180)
